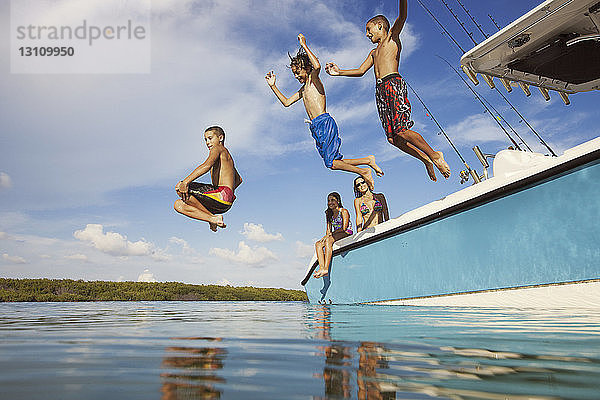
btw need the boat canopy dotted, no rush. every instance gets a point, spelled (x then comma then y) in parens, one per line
(555, 46)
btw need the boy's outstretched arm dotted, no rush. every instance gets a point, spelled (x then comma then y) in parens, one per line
(284, 100)
(399, 23)
(314, 61)
(333, 70)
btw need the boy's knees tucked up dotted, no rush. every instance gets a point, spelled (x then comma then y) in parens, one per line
(181, 206)
(178, 205)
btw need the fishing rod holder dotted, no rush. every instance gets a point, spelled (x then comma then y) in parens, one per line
(464, 175)
(483, 160)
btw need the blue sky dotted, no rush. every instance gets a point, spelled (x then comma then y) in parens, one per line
(88, 162)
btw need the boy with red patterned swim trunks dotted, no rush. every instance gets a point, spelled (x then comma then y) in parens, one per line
(391, 94)
(201, 200)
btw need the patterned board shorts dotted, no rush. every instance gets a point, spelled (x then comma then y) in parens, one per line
(394, 109)
(216, 199)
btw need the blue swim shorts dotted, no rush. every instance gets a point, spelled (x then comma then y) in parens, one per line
(327, 141)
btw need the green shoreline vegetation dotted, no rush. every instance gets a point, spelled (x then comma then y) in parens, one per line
(20, 290)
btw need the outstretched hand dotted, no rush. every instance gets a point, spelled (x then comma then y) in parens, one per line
(332, 69)
(302, 39)
(270, 77)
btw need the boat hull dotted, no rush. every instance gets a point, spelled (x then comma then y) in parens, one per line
(539, 230)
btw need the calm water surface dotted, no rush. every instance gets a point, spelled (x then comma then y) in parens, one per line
(271, 350)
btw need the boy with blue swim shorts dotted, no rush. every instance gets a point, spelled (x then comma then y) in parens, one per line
(325, 132)
(306, 68)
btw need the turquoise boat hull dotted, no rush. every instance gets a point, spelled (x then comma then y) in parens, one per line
(539, 230)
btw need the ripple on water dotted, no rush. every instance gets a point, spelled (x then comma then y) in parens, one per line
(177, 350)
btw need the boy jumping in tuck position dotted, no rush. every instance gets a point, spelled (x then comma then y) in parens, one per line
(305, 67)
(391, 93)
(202, 200)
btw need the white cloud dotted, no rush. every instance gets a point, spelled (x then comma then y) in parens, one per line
(410, 40)
(112, 243)
(14, 259)
(478, 128)
(245, 254)
(10, 220)
(3, 235)
(77, 257)
(5, 181)
(161, 255)
(304, 250)
(185, 247)
(345, 112)
(257, 233)
(146, 276)
(191, 255)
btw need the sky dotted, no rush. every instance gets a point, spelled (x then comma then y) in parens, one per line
(88, 161)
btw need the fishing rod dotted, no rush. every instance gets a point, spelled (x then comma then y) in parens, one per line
(441, 26)
(428, 112)
(472, 19)
(458, 45)
(542, 141)
(477, 96)
(506, 122)
(494, 21)
(469, 34)
(498, 91)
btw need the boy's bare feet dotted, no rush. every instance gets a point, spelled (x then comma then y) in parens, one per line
(320, 273)
(441, 164)
(430, 170)
(213, 227)
(218, 221)
(373, 165)
(368, 177)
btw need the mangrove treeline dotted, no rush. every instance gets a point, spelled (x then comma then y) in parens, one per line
(79, 290)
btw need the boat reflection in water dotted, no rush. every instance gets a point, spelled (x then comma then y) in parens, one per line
(192, 371)
(394, 370)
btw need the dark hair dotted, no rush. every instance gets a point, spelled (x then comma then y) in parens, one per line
(328, 212)
(357, 193)
(301, 60)
(218, 130)
(380, 18)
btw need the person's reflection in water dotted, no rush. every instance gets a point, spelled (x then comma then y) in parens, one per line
(338, 358)
(370, 386)
(337, 372)
(339, 364)
(191, 374)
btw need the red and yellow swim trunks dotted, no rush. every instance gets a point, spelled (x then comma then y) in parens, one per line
(216, 199)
